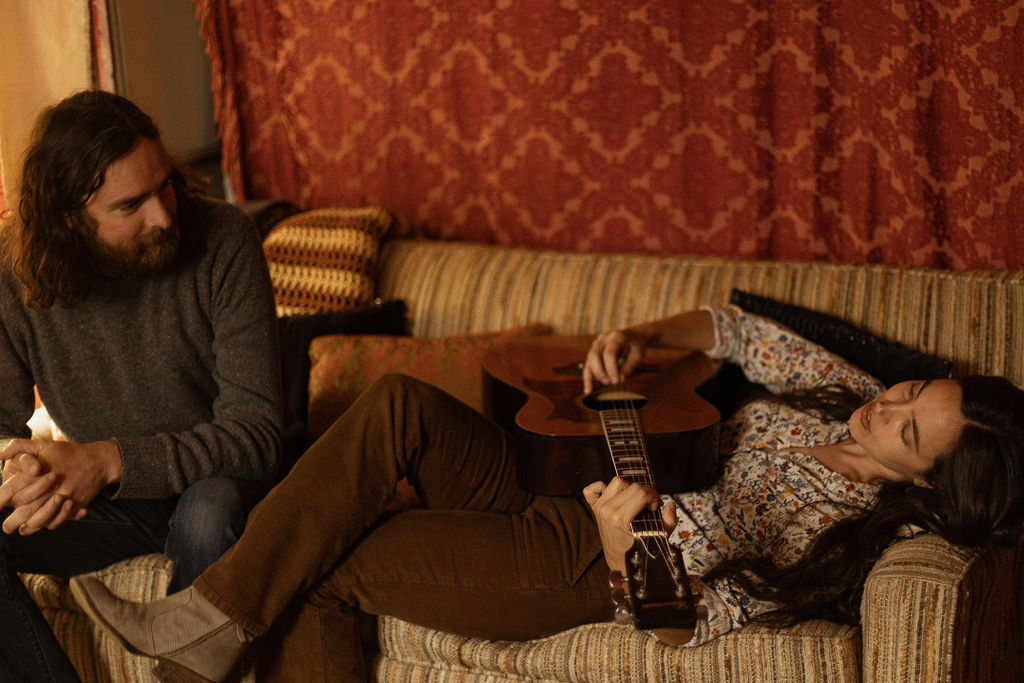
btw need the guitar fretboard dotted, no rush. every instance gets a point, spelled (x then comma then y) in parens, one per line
(626, 444)
(658, 587)
(628, 450)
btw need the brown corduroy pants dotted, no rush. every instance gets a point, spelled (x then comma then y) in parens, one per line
(483, 557)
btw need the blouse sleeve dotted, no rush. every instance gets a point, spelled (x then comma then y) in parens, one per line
(778, 358)
(722, 607)
(724, 604)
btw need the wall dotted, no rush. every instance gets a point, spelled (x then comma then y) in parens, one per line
(44, 56)
(159, 62)
(161, 65)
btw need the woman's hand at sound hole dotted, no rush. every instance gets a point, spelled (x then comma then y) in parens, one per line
(611, 357)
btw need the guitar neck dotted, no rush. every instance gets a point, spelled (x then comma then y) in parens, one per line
(626, 444)
(657, 591)
(630, 461)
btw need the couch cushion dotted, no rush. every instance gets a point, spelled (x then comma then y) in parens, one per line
(95, 655)
(295, 333)
(810, 651)
(326, 259)
(890, 362)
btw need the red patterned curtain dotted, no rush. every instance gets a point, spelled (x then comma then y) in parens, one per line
(854, 131)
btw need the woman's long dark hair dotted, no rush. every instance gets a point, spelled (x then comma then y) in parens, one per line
(976, 500)
(72, 145)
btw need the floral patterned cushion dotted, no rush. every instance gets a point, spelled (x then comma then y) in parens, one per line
(345, 365)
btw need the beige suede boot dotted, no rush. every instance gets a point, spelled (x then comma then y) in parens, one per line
(192, 639)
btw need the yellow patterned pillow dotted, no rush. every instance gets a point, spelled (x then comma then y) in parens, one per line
(325, 259)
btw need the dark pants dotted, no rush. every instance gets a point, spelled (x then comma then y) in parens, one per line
(484, 558)
(193, 530)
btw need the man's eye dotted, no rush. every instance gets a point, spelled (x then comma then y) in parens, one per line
(903, 436)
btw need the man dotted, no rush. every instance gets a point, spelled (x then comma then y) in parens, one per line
(143, 314)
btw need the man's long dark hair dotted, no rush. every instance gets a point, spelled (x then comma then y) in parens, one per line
(975, 500)
(72, 145)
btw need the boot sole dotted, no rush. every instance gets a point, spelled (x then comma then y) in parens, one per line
(167, 671)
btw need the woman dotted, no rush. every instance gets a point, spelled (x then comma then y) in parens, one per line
(485, 558)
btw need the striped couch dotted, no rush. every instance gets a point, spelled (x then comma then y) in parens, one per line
(930, 612)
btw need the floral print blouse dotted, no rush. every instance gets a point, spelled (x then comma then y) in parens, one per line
(770, 500)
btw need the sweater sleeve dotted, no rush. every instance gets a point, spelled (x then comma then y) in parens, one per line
(242, 440)
(16, 400)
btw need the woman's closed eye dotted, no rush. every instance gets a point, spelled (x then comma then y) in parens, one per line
(909, 433)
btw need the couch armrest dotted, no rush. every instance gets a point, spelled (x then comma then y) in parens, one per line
(932, 611)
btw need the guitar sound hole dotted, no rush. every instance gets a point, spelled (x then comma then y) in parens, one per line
(614, 399)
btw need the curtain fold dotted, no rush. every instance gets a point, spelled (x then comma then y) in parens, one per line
(851, 131)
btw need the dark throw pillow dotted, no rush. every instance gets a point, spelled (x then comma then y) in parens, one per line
(890, 362)
(295, 332)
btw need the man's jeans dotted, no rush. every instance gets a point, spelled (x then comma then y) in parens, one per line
(193, 530)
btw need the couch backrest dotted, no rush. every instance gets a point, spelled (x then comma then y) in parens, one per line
(974, 318)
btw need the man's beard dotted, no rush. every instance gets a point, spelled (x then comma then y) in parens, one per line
(146, 254)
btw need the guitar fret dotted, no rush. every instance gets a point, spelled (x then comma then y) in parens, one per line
(635, 474)
(649, 533)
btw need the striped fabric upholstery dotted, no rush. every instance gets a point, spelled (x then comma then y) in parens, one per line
(600, 653)
(934, 612)
(909, 576)
(97, 657)
(974, 318)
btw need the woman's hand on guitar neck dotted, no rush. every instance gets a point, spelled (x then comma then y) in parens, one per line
(615, 505)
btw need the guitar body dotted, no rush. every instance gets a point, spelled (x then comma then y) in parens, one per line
(534, 389)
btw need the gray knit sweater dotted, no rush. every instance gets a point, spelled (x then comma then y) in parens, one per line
(180, 369)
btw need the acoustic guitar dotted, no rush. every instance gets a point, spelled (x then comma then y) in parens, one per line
(655, 591)
(534, 389)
